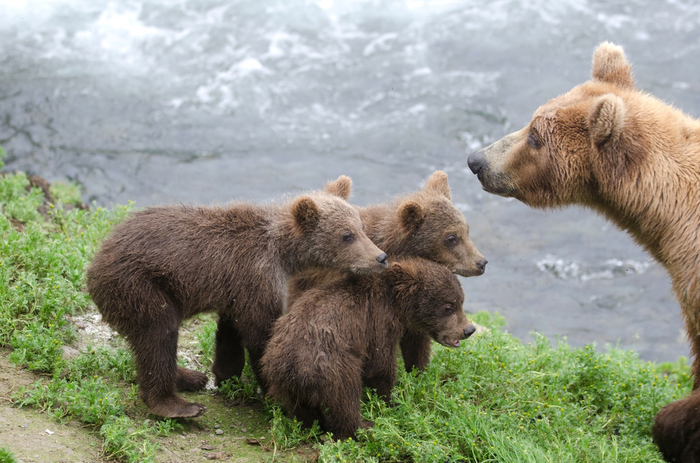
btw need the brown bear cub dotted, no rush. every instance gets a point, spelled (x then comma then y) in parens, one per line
(423, 224)
(344, 333)
(165, 264)
(635, 160)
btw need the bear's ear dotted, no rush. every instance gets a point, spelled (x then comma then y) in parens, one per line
(411, 215)
(306, 213)
(437, 183)
(403, 277)
(342, 187)
(606, 120)
(611, 66)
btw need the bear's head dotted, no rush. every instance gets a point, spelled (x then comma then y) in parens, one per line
(575, 146)
(430, 298)
(332, 231)
(433, 228)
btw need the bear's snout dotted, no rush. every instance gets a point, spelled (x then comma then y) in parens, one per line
(381, 258)
(481, 265)
(476, 161)
(468, 331)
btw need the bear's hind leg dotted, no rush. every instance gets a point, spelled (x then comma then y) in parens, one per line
(229, 354)
(190, 380)
(155, 350)
(306, 414)
(341, 411)
(343, 419)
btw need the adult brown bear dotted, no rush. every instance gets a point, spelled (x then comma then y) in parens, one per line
(610, 147)
(165, 264)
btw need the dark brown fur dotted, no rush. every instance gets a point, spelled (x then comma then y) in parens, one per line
(423, 224)
(634, 159)
(165, 264)
(343, 334)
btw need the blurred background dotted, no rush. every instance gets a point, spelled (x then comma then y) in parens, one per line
(211, 100)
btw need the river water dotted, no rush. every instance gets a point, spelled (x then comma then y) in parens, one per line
(210, 100)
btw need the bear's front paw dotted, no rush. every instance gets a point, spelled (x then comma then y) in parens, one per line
(175, 406)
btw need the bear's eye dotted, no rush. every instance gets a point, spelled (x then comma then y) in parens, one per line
(451, 240)
(349, 237)
(449, 310)
(533, 139)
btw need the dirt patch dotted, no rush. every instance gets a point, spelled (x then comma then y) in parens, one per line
(31, 435)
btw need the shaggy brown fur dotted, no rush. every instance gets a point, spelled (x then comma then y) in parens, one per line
(344, 333)
(634, 159)
(165, 264)
(423, 224)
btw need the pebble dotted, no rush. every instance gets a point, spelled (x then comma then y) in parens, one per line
(219, 432)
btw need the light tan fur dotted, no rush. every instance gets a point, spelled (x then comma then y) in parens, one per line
(634, 159)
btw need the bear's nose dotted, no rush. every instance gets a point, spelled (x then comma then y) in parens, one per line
(481, 265)
(381, 258)
(476, 161)
(468, 331)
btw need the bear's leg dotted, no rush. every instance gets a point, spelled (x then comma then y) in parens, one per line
(155, 350)
(190, 380)
(256, 339)
(342, 417)
(255, 353)
(338, 396)
(383, 383)
(307, 414)
(229, 354)
(415, 350)
(676, 430)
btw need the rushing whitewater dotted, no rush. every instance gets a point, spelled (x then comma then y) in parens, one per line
(209, 100)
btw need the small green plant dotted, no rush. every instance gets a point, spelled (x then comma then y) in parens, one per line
(243, 389)
(117, 364)
(66, 193)
(5, 455)
(676, 372)
(126, 441)
(288, 433)
(206, 337)
(89, 400)
(38, 348)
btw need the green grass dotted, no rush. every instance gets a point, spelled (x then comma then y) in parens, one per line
(493, 399)
(496, 399)
(6, 456)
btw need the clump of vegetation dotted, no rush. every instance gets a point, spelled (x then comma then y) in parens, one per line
(45, 244)
(493, 399)
(6, 456)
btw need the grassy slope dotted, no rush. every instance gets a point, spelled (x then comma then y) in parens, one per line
(494, 399)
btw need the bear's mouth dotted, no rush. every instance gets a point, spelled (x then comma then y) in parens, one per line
(447, 342)
(468, 273)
